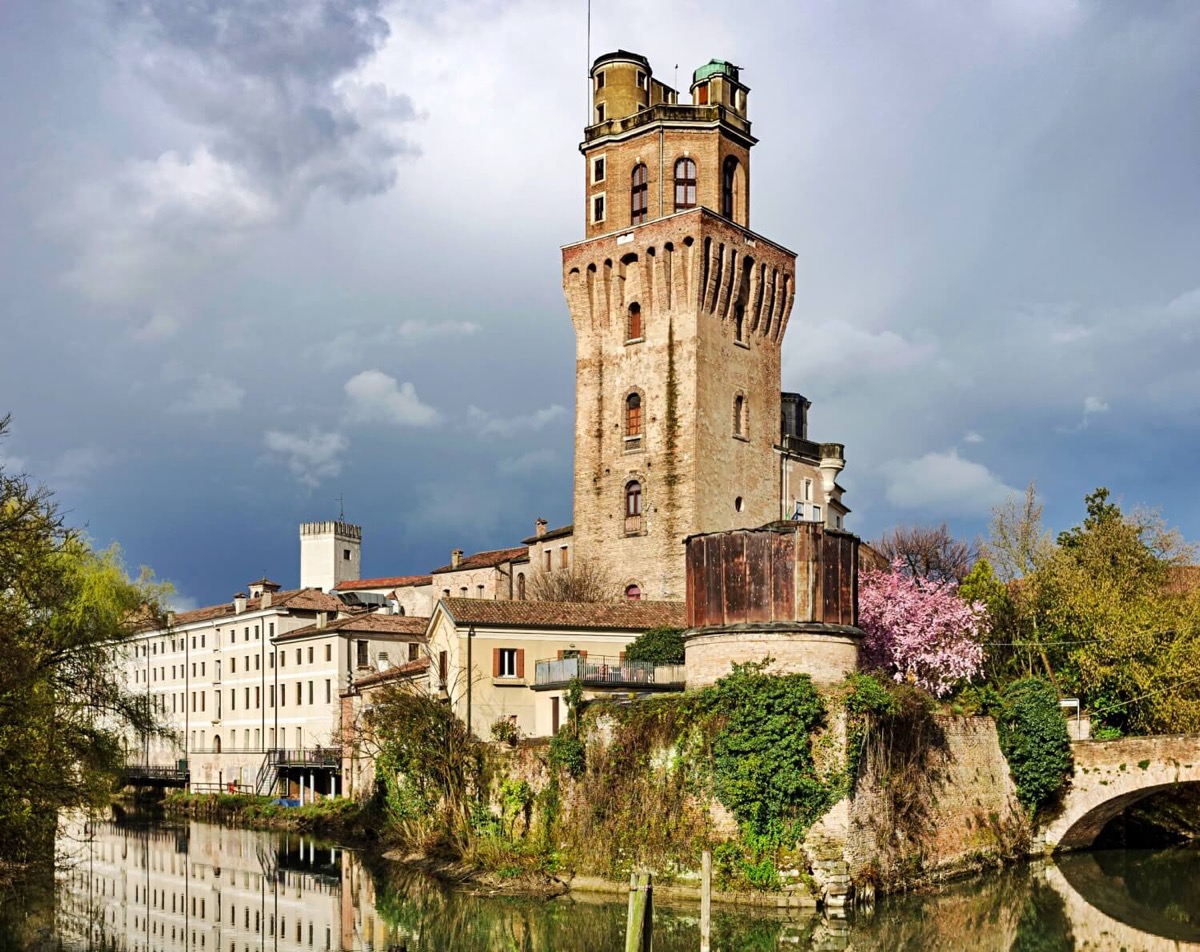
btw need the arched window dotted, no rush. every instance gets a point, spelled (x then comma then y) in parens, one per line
(728, 175)
(521, 586)
(739, 415)
(633, 507)
(685, 184)
(633, 415)
(633, 326)
(633, 592)
(639, 195)
(216, 743)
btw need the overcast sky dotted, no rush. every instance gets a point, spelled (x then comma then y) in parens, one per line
(255, 255)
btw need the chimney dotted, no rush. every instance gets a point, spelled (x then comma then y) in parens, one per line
(264, 600)
(455, 558)
(239, 603)
(539, 527)
(170, 618)
(322, 619)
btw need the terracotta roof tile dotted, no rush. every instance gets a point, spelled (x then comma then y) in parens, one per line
(374, 623)
(392, 581)
(297, 599)
(626, 615)
(484, 560)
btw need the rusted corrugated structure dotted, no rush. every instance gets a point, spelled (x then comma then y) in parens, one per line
(787, 591)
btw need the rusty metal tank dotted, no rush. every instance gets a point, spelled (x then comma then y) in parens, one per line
(787, 591)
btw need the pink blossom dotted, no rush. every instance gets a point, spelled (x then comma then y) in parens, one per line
(919, 630)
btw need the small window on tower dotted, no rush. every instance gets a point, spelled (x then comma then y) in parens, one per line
(633, 329)
(633, 507)
(598, 169)
(641, 79)
(346, 554)
(685, 184)
(702, 95)
(600, 113)
(600, 80)
(597, 209)
(639, 195)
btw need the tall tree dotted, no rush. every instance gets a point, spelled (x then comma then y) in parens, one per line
(65, 613)
(929, 552)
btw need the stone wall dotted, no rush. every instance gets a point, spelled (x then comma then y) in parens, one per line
(963, 811)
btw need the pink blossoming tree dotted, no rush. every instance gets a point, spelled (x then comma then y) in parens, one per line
(919, 630)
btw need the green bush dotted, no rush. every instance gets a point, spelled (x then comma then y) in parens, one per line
(567, 751)
(663, 645)
(1033, 736)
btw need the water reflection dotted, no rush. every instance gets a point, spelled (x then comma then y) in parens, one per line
(145, 888)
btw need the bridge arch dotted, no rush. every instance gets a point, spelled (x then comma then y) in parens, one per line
(1112, 775)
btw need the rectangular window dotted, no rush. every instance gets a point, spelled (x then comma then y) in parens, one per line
(816, 513)
(310, 692)
(271, 630)
(443, 668)
(232, 636)
(247, 698)
(807, 490)
(329, 652)
(247, 636)
(564, 559)
(299, 692)
(598, 169)
(201, 641)
(271, 696)
(345, 555)
(233, 665)
(310, 654)
(258, 697)
(547, 560)
(282, 657)
(299, 657)
(201, 669)
(233, 699)
(600, 112)
(506, 663)
(328, 691)
(361, 659)
(597, 209)
(600, 80)
(257, 662)
(641, 79)
(414, 650)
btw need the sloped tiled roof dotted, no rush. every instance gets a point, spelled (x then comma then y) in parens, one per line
(624, 615)
(392, 581)
(374, 624)
(560, 533)
(296, 599)
(484, 560)
(410, 669)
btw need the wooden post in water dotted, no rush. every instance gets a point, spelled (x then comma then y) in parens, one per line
(706, 901)
(639, 928)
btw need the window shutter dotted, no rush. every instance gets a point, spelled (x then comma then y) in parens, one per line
(560, 654)
(495, 662)
(621, 657)
(520, 662)
(583, 656)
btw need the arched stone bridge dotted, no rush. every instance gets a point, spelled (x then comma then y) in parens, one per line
(1111, 775)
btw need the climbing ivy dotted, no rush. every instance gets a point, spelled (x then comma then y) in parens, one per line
(1033, 736)
(763, 770)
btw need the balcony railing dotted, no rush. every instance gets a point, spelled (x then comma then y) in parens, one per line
(308, 757)
(616, 673)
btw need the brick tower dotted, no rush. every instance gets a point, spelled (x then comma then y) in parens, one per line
(679, 311)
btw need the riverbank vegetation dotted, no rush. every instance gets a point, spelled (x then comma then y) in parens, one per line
(65, 611)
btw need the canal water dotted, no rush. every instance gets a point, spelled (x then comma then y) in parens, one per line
(173, 886)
